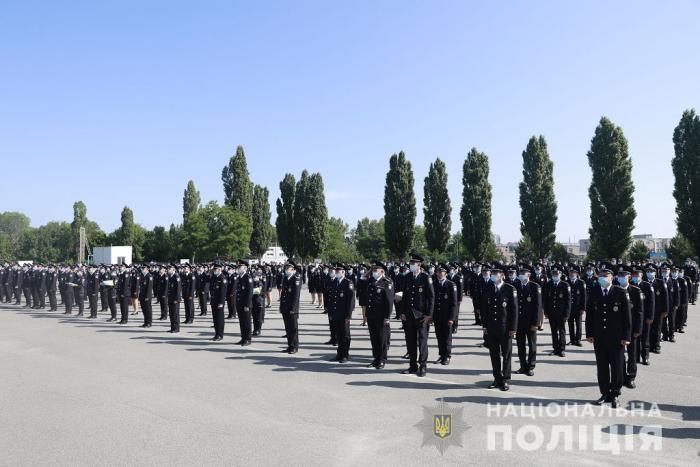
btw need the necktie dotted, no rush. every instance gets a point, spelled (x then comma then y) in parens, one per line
(605, 293)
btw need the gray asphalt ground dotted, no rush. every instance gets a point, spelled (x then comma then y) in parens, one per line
(86, 392)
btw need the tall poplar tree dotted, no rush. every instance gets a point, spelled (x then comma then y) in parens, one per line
(238, 189)
(399, 206)
(476, 206)
(284, 224)
(191, 201)
(686, 170)
(437, 211)
(262, 229)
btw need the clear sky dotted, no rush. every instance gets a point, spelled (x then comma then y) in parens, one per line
(120, 103)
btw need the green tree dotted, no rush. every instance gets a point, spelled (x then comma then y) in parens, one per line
(157, 245)
(229, 234)
(262, 229)
(238, 189)
(339, 247)
(437, 211)
(310, 216)
(13, 227)
(638, 251)
(537, 204)
(476, 207)
(191, 201)
(679, 249)
(686, 171)
(368, 238)
(611, 192)
(49, 243)
(195, 232)
(525, 251)
(94, 235)
(560, 254)
(399, 206)
(284, 225)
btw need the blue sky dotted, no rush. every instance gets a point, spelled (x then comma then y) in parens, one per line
(120, 103)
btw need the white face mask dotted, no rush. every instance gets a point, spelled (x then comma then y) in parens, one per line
(413, 267)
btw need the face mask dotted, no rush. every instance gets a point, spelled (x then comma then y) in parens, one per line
(622, 281)
(651, 276)
(664, 275)
(573, 278)
(290, 272)
(325, 271)
(555, 279)
(604, 282)
(674, 275)
(477, 270)
(217, 273)
(589, 273)
(413, 267)
(512, 277)
(636, 280)
(431, 271)
(522, 277)
(362, 271)
(332, 274)
(494, 278)
(486, 276)
(375, 275)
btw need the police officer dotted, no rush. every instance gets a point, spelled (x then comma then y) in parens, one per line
(111, 289)
(188, 282)
(636, 300)
(445, 312)
(529, 305)
(93, 290)
(232, 278)
(259, 291)
(557, 308)
(647, 289)
(146, 296)
(174, 297)
(609, 328)
(244, 302)
(203, 286)
(417, 311)
(51, 286)
(579, 297)
(289, 306)
(163, 293)
(217, 294)
(458, 280)
(341, 303)
(79, 290)
(499, 322)
(380, 301)
(124, 292)
(668, 324)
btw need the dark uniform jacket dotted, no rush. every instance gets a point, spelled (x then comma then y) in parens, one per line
(557, 303)
(457, 279)
(649, 299)
(341, 299)
(174, 288)
(380, 299)
(446, 301)
(217, 290)
(609, 319)
(244, 292)
(636, 307)
(146, 287)
(419, 296)
(529, 305)
(499, 313)
(289, 299)
(579, 295)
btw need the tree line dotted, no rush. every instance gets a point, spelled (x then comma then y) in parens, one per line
(241, 225)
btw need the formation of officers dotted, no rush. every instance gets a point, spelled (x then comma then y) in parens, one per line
(629, 309)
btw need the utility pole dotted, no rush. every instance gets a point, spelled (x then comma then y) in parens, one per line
(81, 246)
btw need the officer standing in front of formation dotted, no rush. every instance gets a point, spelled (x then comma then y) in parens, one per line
(529, 305)
(499, 319)
(636, 300)
(259, 291)
(217, 294)
(340, 305)
(557, 308)
(579, 297)
(380, 301)
(146, 296)
(444, 313)
(289, 306)
(244, 302)
(417, 311)
(189, 285)
(609, 328)
(174, 297)
(124, 292)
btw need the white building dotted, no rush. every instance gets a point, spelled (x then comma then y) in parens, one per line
(111, 255)
(274, 254)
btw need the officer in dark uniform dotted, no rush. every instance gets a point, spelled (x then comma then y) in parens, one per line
(457, 279)
(93, 290)
(609, 328)
(244, 302)
(188, 281)
(232, 277)
(27, 286)
(51, 285)
(685, 286)
(163, 293)
(203, 286)
(499, 322)
(660, 307)
(380, 301)
(79, 290)
(217, 295)
(636, 300)
(341, 303)
(259, 291)
(529, 306)
(642, 345)
(111, 288)
(579, 297)
(444, 313)
(67, 282)
(557, 308)
(417, 310)
(174, 297)
(289, 306)
(146, 296)
(668, 324)
(124, 293)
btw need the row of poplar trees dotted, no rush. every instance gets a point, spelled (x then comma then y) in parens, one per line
(611, 194)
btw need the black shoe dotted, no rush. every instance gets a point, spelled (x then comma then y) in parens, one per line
(439, 360)
(372, 365)
(505, 386)
(343, 360)
(229, 317)
(174, 331)
(630, 384)
(149, 325)
(122, 322)
(216, 338)
(284, 337)
(657, 350)
(330, 342)
(240, 342)
(446, 361)
(162, 318)
(421, 371)
(79, 314)
(245, 343)
(144, 326)
(521, 371)
(494, 385)
(680, 330)
(614, 402)
(67, 313)
(406, 355)
(601, 400)
(410, 371)
(645, 361)
(293, 351)
(202, 314)
(256, 333)
(578, 344)
(334, 359)
(672, 339)
(111, 319)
